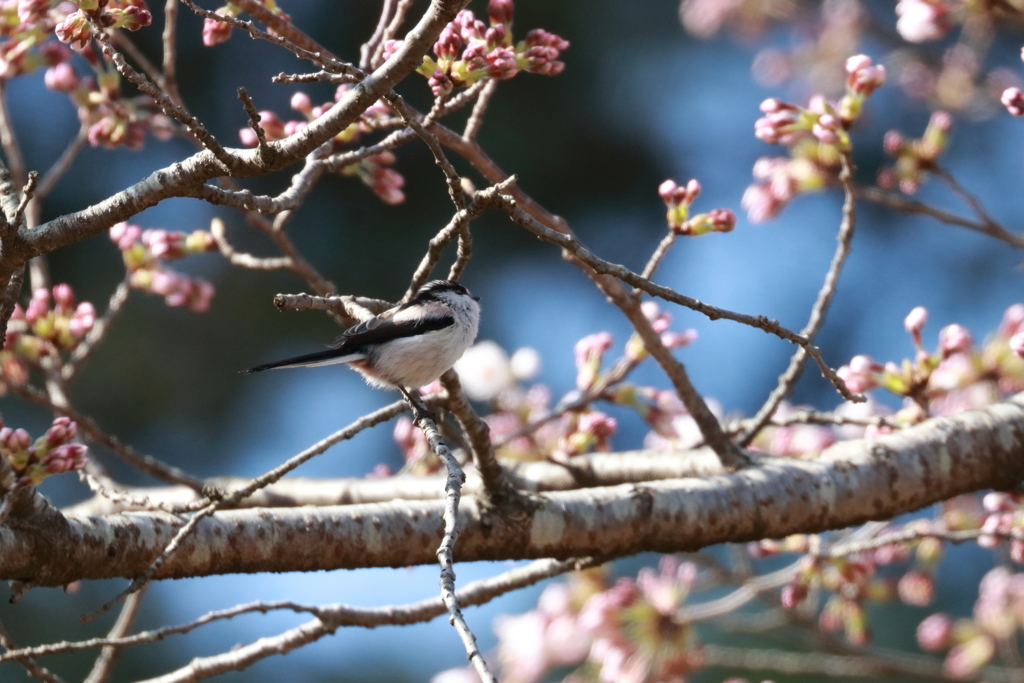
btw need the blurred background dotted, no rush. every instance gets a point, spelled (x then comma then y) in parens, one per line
(640, 100)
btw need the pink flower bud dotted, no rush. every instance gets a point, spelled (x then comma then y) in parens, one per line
(915, 322)
(1017, 344)
(592, 346)
(215, 32)
(61, 77)
(893, 142)
(857, 63)
(1013, 100)
(793, 594)
(301, 102)
(64, 298)
(82, 320)
(955, 339)
(667, 190)
(597, 423)
(935, 633)
(390, 48)
(965, 659)
(500, 11)
(916, 588)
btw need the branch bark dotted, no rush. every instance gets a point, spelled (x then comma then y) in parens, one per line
(850, 483)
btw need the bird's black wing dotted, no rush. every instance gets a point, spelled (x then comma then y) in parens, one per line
(350, 345)
(380, 329)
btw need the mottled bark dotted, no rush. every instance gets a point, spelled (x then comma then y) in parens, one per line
(850, 483)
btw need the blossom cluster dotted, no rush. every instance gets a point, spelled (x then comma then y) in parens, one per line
(24, 29)
(51, 453)
(914, 158)
(956, 376)
(374, 171)
(677, 201)
(216, 32)
(112, 120)
(51, 323)
(628, 631)
(972, 642)
(77, 27)
(144, 253)
(816, 137)
(468, 51)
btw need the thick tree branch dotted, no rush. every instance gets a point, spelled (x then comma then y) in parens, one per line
(851, 482)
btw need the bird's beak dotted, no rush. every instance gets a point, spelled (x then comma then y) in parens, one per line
(475, 298)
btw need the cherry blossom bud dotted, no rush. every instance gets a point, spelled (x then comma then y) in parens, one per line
(82, 320)
(966, 658)
(440, 83)
(61, 77)
(793, 594)
(125, 235)
(954, 339)
(597, 423)
(921, 20)
(65, 458)
(64, 298)
(215, 32)
(916, 588)
(301, 102)
(500, 11)
(501, 63)
(448, 44)
(592, 346)
(935, 633)
(1013, 100)
(675, 340)
(1017, 344)
(390, 48)
(893, 142)
(863, 78)
(38, 306)
(74, 30)
(497, 36)
(1013, 321)
(200, 296)
(915, 322)
(61, 431)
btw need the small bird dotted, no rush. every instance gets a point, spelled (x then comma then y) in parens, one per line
(406, 346)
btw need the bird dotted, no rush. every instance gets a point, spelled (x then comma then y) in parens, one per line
(404, 347)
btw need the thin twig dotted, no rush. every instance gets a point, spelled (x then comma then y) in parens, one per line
(445, 552)
(411, 119)
(99, 329)
(123, 42)
(369, 48)
(659, 253)
(165, 103)
(63, 163)
(169, 77)
(104, 664)
(572, 245)
(391, 31)
(476, 118)
(241, 259)
(9, 141)
(27, 193)
(817, 318)
(34, 670)
(895, 201)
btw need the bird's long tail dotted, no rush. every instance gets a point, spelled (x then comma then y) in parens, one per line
(309, 360)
